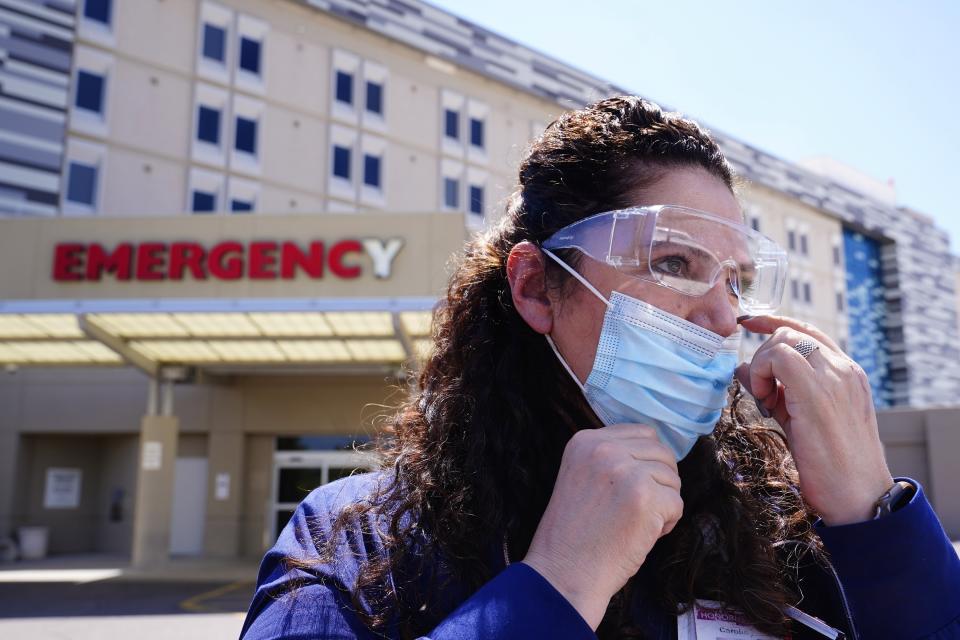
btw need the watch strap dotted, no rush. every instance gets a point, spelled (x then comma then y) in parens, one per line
(896, 496)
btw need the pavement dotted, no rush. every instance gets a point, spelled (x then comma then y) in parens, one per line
(94, 597)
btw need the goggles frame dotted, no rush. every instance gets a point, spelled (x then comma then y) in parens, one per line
(769, 259)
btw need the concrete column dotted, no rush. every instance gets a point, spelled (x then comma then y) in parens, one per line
(224, 498)
(9, 482)
(155, 474)
(943, 443)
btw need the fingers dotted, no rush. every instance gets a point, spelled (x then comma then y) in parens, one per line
(769, 324)
(776, 360)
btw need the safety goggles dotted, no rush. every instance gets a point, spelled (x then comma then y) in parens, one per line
(687, 250)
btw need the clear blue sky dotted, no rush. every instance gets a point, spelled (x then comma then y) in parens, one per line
(874, 84)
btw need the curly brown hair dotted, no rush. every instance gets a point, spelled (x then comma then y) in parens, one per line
(474, 453)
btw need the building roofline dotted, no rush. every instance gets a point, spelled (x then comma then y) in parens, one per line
(441, 33)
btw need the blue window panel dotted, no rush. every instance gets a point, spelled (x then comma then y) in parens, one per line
(451, 193)
(204, 202)
(375, 97)
(214, 42)
(867, 314)
(476, 200)
(82, 183)
(250, 55)
(344, 87)
(371, 170)
(90, 91)
(341, 162)
(476, 132)
(240, 206)
(246, 135)
(451, 124)
(208, 125)
(98, 10)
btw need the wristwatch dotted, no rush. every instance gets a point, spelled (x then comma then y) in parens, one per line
(897, 496)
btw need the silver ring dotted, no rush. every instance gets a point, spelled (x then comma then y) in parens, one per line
(806, 347)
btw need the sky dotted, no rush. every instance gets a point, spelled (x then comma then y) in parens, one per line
(874, 84)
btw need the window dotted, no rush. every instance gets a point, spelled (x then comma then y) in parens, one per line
(204, 201)
(241, 206)
(341, 162)
(836, 255)
(246, 135)
(82, 183)
(451, 124)
(476, 132)
(90, 91)
(794, 290)
(791, 240)
(803, 243)
(476, 200)
(214, 42)
(755, 223)
(345, 87)
(98, 10)
(371, 170)
(839, 301)
(806, 292)
(451, 193)
(208, 125)
(374, 97)
(250, 55)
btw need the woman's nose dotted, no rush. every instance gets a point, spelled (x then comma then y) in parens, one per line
(716, 310)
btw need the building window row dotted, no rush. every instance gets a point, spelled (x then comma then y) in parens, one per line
(358, 90)
(231, 47)
(464, 126)
(462, 187)
(214, 109)
(212, 192)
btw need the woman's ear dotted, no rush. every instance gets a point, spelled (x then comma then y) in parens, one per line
(527, 275)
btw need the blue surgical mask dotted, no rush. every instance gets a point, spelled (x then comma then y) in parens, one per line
(655, 368)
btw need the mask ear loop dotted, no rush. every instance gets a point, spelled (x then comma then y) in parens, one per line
(594, 291)
(576, 275)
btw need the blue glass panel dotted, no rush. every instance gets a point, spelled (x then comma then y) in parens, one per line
(451, 126)
(250, 55)
(344, 87)
(82, 183)
(214, 42)
(476, 132)
(451, 193)
(90, 91)
(98, 10)
(374, 97)
(341, 162)
(866, 312)
(208, 125)
(371, 170)
(476, 199)
(241, 205)
(246, 135)
(204, 201)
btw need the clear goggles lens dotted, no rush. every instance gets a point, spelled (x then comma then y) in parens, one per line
(687, 250)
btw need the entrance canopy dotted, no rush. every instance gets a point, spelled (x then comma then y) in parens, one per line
(253, 292)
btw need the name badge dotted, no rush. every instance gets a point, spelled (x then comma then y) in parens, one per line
(708, 620)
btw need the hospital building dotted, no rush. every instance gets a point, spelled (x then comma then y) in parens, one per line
(224, 224)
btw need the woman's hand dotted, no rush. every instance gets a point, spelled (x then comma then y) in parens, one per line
(824, 404)
(616, 494)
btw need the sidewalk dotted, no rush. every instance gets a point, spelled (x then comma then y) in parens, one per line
(84, 568)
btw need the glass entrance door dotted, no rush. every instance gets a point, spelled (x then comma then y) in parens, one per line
(297, 473)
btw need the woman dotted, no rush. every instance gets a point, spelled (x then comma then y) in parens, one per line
(609, 297)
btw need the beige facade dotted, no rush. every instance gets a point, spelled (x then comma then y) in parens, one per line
(157, 79)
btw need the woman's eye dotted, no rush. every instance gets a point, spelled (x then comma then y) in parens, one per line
(673, 265)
